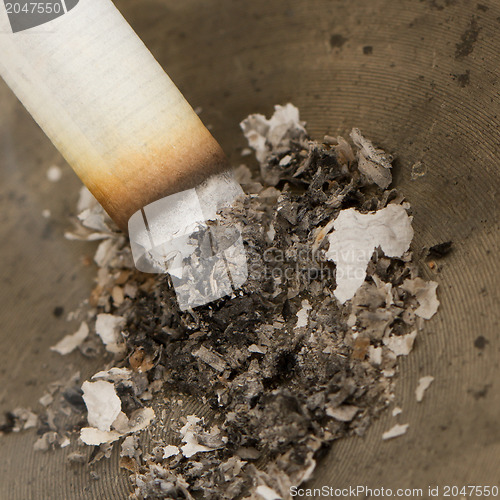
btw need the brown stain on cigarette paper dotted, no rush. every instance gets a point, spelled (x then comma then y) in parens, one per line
(139, 178)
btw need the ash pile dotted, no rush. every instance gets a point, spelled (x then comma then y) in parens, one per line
(240, 398)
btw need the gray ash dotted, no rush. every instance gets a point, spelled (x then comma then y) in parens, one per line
(281, 365)
(270, 384)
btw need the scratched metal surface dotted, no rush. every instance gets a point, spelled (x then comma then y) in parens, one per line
(421, 79)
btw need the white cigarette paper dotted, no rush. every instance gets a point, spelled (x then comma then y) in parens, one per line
(108, 106)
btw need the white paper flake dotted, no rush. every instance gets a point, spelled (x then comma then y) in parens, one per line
(191, 446)
(356, 236)
(396, 431)
(267, 493)
(86, 200)
(93, 219)
(401, 345)
(65, 442)
(426, 295)
(114, 374)
(423, 384)
(344, 151)
(265, 135)
(129, 447)
(27, 419)
(105, 252)
(375, 355)
(285, 160)
(273, 136)
(373, 163)
(397, 411)
(140, 419)
(46, 441)
(94, 437)
(170, 451)
(103, 404)
(94, 223)
(71, 342)
(344, 413)
(108, 327)
(303, 314)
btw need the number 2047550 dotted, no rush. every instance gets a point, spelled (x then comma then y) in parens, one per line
(470, 491)
(33, 7)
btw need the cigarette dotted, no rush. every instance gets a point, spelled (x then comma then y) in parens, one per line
(129, 134)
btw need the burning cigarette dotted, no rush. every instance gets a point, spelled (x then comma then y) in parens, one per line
(129, 134)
